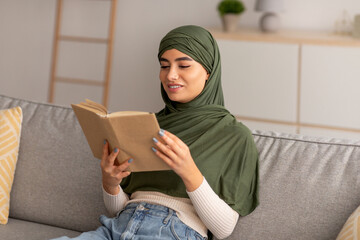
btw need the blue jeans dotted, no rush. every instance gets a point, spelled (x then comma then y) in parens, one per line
(141, 221)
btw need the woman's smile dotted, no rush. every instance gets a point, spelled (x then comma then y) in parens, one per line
(174, 87)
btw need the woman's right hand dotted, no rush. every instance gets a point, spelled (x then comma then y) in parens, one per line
(112, 172)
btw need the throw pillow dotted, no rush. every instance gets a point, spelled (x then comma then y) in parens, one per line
(10, 128)
(351, 228)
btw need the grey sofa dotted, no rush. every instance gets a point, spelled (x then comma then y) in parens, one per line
(308, 186)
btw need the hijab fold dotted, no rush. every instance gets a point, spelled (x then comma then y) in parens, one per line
(222, 148)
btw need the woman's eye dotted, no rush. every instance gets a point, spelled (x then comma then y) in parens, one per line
(182, 66)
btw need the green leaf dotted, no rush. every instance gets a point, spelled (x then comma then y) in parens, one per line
(231, 6)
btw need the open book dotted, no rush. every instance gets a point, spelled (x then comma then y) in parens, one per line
(130, 131)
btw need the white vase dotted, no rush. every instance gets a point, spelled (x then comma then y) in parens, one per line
(270, 22)
(230, 22)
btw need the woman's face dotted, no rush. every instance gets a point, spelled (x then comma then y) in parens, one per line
(181, 76)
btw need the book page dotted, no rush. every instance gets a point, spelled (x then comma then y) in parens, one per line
(97, 106)
(90, 109)
(127, 113)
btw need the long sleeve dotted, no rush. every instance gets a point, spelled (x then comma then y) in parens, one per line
(218, 217)
(115, 203)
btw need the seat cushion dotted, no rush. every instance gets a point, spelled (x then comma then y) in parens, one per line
(19, 229)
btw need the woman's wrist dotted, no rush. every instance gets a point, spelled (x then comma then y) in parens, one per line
(193, 180)
(113, 190)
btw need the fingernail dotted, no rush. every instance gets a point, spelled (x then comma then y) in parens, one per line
(155, 140)
(162, 132)
(130, 160)
(104, 142)
(116, 150)
(153, 149)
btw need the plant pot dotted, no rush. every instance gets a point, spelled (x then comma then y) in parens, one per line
(230, 22)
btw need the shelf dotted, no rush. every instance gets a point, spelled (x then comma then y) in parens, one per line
(289, 37)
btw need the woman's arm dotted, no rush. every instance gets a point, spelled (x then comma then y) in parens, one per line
(177, 155)
(112, 174)
(215, 213)
(115, 203)
(218, 217)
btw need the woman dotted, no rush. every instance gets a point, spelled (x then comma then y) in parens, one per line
(213, 157)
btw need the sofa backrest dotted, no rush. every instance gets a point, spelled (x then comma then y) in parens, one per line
(308, 188)
(57, 180)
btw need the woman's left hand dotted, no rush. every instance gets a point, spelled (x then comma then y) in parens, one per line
(177, 155)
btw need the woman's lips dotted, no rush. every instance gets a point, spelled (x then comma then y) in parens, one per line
(174, 87)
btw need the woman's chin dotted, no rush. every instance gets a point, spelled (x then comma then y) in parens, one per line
(177, 99)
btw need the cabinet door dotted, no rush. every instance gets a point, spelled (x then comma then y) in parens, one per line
(260, 79)
(330, 86)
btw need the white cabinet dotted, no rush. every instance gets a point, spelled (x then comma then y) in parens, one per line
(330, 86)
(296, 83)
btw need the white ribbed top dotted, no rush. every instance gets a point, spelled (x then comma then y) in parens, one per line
(204, 210)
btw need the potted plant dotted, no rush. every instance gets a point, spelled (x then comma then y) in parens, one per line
(230, 11)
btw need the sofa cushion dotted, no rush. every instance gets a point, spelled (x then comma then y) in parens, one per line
(57, 180)
(10, 129)
(308, 187)
(20, 229)
(351, 229)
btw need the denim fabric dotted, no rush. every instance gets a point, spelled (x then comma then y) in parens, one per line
(141, 221)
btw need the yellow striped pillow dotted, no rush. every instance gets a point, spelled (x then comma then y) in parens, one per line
(351, 229)
(10, 128)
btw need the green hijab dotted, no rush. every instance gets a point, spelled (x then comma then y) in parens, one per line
(222, 148)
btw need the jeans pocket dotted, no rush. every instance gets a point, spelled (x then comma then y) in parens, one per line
(178, 229)
(182, 231)
(118, 213)
(191, 234)
(199, 237)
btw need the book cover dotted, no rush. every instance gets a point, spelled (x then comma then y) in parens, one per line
(130, 131)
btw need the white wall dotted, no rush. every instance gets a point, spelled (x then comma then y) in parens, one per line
(27, 27)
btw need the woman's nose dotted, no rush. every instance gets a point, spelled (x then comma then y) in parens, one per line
(172, 74)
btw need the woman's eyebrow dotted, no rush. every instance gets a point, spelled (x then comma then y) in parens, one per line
(183, 59)
(177, 59)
